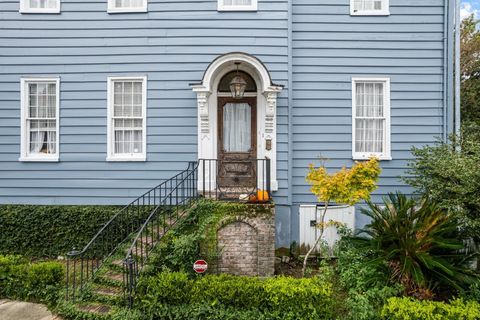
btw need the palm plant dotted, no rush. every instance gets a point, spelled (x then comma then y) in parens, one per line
(419, 243)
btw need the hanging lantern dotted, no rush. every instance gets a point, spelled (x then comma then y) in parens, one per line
(238, 85)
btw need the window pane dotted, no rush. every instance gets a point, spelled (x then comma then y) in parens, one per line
(237, 127)
(367, 5)
(237, 2)
(43, 136)
(370, 135)
(42, 100)
(370, 100)
(129, 3)
(128, 135)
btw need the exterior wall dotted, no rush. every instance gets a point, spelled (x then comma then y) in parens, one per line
(172, 45)
(313, 47)
(330, 47)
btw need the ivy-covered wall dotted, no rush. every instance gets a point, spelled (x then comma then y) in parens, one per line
(49, 231)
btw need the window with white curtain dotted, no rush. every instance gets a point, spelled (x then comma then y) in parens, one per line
(127, 107)
(40, 6)
(371, 118)
(237, 5)
(39, 119)
(127, 6)
(370, 7)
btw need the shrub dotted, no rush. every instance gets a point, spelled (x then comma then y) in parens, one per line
(366, 285)
(407, 308)
(418, 241)
(449, 174)
(273, 298)
(20, 279)
(49, 231)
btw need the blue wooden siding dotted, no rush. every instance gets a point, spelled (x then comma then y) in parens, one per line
(330, 47)
(172, 44)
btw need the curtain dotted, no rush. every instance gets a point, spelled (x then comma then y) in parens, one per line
(237, 2)
(237, 120)
(42, 118)
(43, 4)
(370, 118)
(37, 140)
(367, 5)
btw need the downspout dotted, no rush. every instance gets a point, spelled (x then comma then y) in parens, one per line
(450, 112)
(457, 119)
(445, 69)
(290, 102)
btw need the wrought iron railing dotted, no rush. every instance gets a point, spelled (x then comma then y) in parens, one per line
(151, 215)
(82, 265)
(176, 200)
(234, 180)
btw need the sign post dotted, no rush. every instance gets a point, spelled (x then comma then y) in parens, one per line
(200, 266)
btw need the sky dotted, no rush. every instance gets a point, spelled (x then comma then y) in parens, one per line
(469, 7)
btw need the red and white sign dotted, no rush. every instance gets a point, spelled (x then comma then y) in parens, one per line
(200, 266)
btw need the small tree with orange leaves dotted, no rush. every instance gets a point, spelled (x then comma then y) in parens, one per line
(347, 186)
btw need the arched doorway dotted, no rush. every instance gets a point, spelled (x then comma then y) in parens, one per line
(258, 104)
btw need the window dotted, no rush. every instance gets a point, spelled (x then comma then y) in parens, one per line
(39, 119)
(119, 6)
(127, 107)
(369, 7)
(371, 118)
(237, 5)
(40, 6)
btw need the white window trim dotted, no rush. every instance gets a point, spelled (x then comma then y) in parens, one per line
(384, 12)
(25, 8)
(113, 9)
(24, 154)
(387, 155)
(222, 7)
(111, 156)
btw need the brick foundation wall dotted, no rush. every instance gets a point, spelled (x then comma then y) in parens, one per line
(247, 242)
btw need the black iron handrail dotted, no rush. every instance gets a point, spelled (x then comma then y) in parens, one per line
(83, 265)
(175, 204)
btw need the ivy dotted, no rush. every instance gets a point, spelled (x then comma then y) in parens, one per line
(49, 231)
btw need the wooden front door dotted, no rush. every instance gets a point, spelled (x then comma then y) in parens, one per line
(237, 143)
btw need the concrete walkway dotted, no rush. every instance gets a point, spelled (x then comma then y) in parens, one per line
(16, 310)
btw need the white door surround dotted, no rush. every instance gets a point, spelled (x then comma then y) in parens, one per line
(266, 107)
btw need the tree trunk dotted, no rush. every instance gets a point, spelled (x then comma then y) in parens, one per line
(322, 229)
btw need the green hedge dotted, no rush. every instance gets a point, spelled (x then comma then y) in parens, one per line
(410, 309)
(49, 231)
(169, 295)
(20, 279)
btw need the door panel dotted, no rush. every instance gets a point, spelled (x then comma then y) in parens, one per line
(237, 142)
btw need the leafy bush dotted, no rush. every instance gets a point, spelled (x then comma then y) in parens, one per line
(367, 286)
(407, 308)
(20, 279)
(418, 241)
(49, 231)
(449, 174)
(166, 295)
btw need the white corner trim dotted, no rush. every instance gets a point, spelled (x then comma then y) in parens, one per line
(111, 156)
(387, 155)
(222, 7)
(113, 9)
(25, 156)
(384, 12)
(25, 8)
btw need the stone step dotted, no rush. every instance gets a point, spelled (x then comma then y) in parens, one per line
(114, 276)
(110, 291)
(100, 309)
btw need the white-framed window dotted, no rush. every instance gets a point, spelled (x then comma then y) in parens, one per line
(237, 5)
(369, 7)
(124, 6)
(40, 108)
(371, 118)
(127, 114)
(40, 6)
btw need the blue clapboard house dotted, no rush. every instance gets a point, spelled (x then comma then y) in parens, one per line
(101, 100)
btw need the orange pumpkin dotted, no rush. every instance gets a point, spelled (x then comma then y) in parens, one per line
(252, 198)
(262, 196)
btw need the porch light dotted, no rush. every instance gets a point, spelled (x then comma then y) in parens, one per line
(238, 85)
